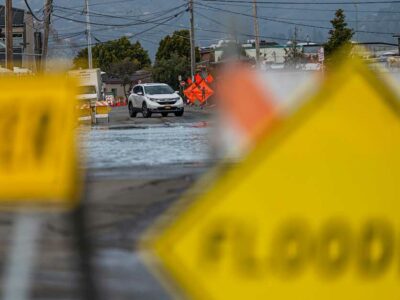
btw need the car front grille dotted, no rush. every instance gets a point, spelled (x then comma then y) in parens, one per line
(166, 102)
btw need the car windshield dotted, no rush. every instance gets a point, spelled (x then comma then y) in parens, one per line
(87, 89)
(158, 89)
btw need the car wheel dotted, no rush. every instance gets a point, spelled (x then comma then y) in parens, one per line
(164, 114)
(179, 113)
(132, 112)
(145, 111)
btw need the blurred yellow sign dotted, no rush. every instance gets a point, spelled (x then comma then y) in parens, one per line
(37, 140)
(312, 213)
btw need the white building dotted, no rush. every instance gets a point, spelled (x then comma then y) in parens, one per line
(270, 52)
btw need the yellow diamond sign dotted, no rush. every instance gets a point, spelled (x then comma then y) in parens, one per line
(38, 161)
(312, 213)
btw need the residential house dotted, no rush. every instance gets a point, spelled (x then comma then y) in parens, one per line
(114, 85)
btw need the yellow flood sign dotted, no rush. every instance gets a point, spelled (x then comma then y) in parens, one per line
(38, 160)
(312, 213)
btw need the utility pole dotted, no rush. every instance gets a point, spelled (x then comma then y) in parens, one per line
(47, 16)
(192, 41)
(295, 50)
(398, 43)
(256, 32)
(9, 35)
(89, 36)
(356, 7)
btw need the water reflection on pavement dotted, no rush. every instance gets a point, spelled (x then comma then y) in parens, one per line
(145, 146)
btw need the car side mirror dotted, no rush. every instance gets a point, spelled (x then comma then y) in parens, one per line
(140, 93)
(177, 92)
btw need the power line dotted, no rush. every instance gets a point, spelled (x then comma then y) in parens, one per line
(284, 22)
(115, 16)
(93, 14)
(108, 2)
(212, 31)
(304, 3)
(157, 25)
(204, 29)
(141, 22)
(157, 34)
(146, 30)
(244, 34)
(138, 21)
(32, 13)
(304, 8)
(102, 24)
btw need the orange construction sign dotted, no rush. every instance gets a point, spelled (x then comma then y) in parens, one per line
(198, 91)
(198, 79)
(189, 93)
(202, 92)
(209, 78)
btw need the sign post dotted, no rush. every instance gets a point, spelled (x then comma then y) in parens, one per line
(22, 256)
(321, 57)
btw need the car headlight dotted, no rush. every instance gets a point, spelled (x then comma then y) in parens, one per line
(153, 99)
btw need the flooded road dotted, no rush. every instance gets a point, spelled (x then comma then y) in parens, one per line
(151, 145)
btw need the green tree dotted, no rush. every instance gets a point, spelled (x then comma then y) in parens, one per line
(178, 42)
(111, 52)
(167, 70)
(173, 58)
(124, 70)
(340, 34)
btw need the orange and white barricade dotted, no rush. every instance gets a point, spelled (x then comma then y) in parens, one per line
(84, 111)
(102, 110)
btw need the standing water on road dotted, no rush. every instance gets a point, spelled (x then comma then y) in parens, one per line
(152, 145)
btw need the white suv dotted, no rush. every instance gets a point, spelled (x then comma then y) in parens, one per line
(152, 98)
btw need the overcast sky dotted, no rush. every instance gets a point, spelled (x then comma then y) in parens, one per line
(150, 20)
